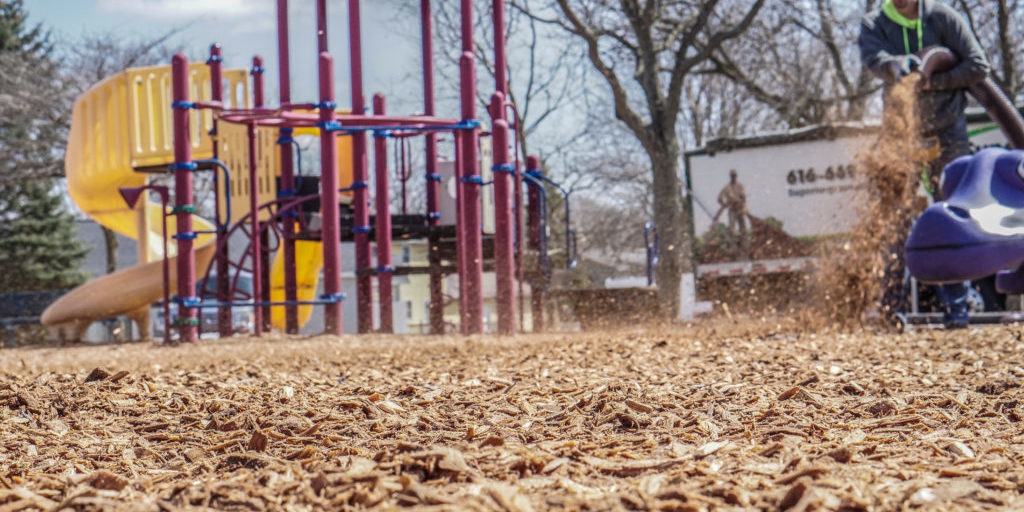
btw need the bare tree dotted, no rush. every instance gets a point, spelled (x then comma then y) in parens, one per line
(800, 60)
(719, 107)
(995, 23)
(543, 85)
(656, 45)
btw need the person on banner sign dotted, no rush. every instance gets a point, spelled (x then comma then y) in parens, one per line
(733, 199)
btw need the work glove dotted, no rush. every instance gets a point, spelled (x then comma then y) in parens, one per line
(903, 66)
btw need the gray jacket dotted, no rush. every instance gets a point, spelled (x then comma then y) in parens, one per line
(883, 41)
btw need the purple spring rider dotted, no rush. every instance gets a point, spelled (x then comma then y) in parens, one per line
(979, 229)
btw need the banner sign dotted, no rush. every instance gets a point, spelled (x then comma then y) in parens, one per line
(771, 196)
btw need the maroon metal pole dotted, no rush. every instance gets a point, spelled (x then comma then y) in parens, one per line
(166, 267)
(518, 205)
(360, 175)
(254, 224)
(224, 324)
(183, 196)
(331, 231)
(471, 177)
(259, 101)
(504, 258)
(382, 199)
(259, 98)
(460, 235)
(321, 26)
(533, 209)
(291, 292)
(500, 65)
(403, 174)
(498, 111)
(533, 233)
(433, 179)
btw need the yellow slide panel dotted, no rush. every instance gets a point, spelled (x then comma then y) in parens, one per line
(119, 126)
(309, 258)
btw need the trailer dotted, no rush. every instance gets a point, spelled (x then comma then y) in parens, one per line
(799, 188)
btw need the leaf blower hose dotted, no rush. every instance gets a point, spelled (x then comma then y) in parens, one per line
(936, 59)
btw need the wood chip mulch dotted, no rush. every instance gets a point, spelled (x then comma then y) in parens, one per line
(707, 418)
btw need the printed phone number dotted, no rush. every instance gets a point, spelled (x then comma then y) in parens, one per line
(832, 173)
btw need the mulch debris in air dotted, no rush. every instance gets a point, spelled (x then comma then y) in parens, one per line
(731, 414)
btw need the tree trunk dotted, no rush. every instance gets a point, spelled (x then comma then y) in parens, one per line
(1007, 49)
(672, 224)
(110, 239)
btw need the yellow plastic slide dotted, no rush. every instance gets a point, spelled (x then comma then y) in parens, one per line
(120, 134)
(309, 258)
(234, 151)
(119, 126)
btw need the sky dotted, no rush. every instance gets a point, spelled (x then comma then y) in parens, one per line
(245, 28)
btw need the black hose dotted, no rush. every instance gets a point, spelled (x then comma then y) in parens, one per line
(936, 59)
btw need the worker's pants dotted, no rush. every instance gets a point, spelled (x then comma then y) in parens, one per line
(954, 143)
(737, 224)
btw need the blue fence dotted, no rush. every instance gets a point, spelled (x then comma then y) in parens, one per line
(26, 303)
(23, 309)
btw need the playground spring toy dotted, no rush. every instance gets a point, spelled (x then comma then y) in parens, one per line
(978, 230)
(194, 118)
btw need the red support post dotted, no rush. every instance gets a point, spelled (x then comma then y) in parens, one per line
(504, 259)
(500, 63)
(533, 215)
(222, 262)
(501, 85)
(470, 177)
(187, 320)
(291, 292)
(360, 175)
(321, 26)
(258, 95)
(259, 101)
(433, 182)
(460, 235)
(329, 213)
(518, 207)
(403, 173)
(382, 199)
(165, 267)
(255, 245)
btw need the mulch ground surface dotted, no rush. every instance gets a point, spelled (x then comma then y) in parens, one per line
(721, 416)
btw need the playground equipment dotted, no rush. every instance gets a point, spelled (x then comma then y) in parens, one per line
(182, 121)
(978, 230)
(118, 132)
(975, 231)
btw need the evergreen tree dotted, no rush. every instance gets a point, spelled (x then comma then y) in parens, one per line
(38, 248)
(15, 36)
(33, 100)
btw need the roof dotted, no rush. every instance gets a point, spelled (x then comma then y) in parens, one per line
(807, 133)
(812, 133)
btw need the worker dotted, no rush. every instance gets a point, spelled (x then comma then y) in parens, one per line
(889, 37)
(734, 199)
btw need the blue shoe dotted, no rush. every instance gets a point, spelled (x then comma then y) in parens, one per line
(955, 304)
(955, 319)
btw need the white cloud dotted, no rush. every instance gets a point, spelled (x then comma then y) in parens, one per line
(187, 9)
